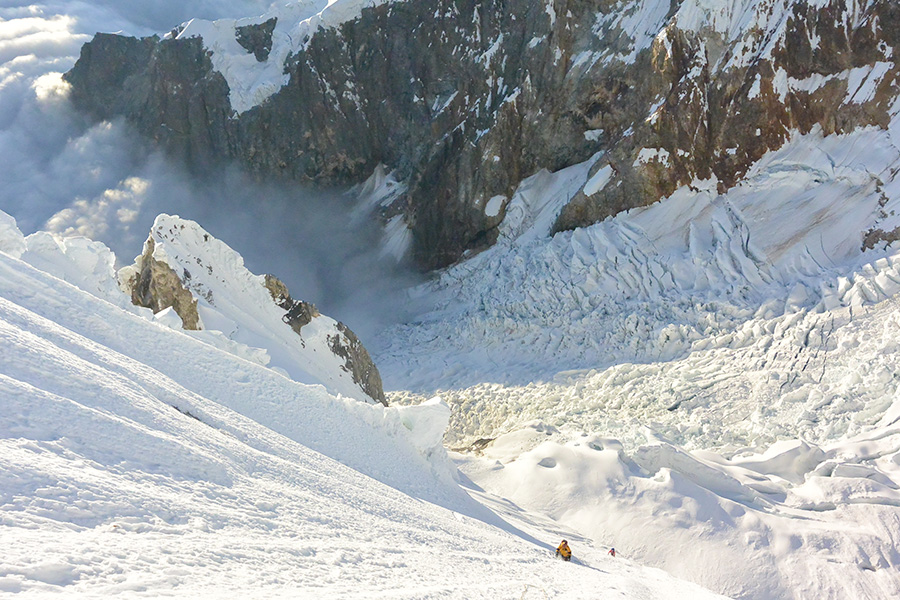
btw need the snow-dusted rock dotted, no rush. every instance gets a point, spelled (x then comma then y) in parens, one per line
(205, 282)
(154, 284)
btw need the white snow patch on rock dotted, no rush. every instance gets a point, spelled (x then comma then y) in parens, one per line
(598, 181)
(647, 155)
(493, 206)
(249, 81)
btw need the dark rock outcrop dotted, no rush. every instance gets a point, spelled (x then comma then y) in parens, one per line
(257, 39)
(343, 343)
(155, 285)
(357, 362)
(462, 99)
(297, 312)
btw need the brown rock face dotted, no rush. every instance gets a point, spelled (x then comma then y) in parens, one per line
(298, 313)
(357, 362)
(462, 99)
(157, 287)
(721, 111)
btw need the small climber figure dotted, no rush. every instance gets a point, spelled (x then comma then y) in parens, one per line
(612, 552)
(564, 551)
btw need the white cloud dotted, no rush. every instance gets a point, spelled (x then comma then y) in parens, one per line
(51, 87)
(114, 210)
(100, 180)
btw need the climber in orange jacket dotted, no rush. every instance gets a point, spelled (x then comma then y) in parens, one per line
(564, 551)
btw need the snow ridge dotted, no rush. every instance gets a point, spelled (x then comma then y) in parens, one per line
(238, 312)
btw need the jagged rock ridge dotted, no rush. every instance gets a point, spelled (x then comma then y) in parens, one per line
(463, 99)
(205, 283)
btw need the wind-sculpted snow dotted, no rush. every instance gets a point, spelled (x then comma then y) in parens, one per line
(649, 284)
(799, 521)
(691, 371)
(137, 461)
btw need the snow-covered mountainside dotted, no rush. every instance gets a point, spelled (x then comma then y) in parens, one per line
(138, 461)
(716, 373)
(672, 328)
(463, 99)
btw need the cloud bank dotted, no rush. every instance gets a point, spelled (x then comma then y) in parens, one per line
(63, 174)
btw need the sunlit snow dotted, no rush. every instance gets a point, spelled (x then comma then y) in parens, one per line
(708, 384)
(137, 460)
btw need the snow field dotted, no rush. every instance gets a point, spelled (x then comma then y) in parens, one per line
(800, 521)
(125, 471)
(760, 321)
(90, 327)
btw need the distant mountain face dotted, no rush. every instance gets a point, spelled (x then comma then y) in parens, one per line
(463, 99)
(185, 270)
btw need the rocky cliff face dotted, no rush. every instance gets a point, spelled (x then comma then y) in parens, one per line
(731, 95)
(462, 99)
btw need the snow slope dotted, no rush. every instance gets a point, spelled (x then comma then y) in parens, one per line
(716, 397)
(139, 462)
(237, 311)
(708, 383)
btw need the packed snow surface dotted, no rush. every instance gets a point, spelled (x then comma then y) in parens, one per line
(141, 462)
(708, 384)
